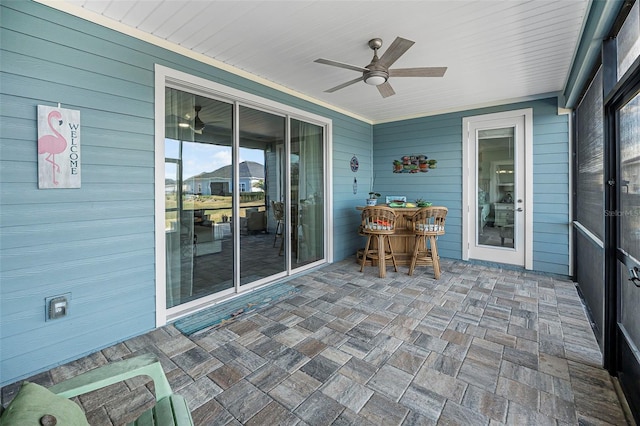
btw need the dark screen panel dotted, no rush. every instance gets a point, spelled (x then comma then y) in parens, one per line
(590, 277)
(590, 159)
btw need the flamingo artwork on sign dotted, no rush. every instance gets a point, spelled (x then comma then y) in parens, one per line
(58, 146)
(53, 144)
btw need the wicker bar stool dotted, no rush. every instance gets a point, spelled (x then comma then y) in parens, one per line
(428, 224)
(378, 222)
(278, 215)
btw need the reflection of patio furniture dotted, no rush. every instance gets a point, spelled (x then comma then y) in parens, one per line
(506, 230)
(200, 218)
(255, 221)
(207, 240)
(278, 215)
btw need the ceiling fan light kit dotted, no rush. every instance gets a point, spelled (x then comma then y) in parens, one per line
(376, 78)
(198, 124)
(377, 73)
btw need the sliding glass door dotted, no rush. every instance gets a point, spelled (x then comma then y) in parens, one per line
(262, 135)
(307, 192)
(244, 197)
(198, 196)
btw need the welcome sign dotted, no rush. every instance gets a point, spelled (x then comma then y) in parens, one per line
(58, 147)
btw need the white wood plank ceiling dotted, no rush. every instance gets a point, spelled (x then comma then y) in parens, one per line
(495, 51)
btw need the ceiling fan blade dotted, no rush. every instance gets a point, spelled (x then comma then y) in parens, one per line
(418, 72)
(343, 85)
(340, 65)
(386, 90)
(398, 48)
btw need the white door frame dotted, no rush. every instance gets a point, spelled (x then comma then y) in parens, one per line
(469, 193)
(178, 79)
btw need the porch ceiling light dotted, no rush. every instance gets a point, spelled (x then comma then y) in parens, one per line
(375, 77)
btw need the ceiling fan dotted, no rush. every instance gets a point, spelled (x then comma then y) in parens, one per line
(377, 73)
(198, 124)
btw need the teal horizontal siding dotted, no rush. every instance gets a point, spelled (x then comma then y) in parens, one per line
(73, 231)
(95, 213)
(89, 292)
(440, 137)
(97, 242)
(119, 329)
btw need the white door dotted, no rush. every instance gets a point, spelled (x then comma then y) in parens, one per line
(498, 198)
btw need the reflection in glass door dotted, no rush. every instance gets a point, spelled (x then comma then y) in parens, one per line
(242, 206)
(496, 186)
(627, 215)
(198, 197)
(307, 192)
(262, 136)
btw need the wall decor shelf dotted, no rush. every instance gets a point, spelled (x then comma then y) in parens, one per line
(414, 164)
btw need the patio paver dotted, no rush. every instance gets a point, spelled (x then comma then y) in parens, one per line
(480, 346)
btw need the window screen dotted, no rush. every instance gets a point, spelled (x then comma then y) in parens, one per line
(628, 41)
(589, 159)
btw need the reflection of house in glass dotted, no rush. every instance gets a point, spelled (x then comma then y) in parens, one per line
(169, 186)
(218, 182)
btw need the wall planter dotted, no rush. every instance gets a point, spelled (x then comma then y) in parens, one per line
(414, 164)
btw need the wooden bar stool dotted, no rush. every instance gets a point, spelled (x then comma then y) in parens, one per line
(378, 222)
(278, 215)
(428, 223)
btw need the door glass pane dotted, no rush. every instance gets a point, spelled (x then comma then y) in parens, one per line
(495, 199)
(198, 147)
(629, 212)
(262, 137)
(628, 40)
(307, 192)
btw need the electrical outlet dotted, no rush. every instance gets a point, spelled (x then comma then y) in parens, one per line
(57, 307)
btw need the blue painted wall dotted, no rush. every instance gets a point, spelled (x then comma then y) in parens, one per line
(440, 137)
(97, 242)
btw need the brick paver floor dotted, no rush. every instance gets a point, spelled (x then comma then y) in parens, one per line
(480, 346)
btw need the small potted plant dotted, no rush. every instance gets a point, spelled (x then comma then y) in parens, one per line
(397, 166)
(432, 164)
(373, 198)
(422, 203)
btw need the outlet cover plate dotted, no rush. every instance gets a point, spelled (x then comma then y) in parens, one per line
(57, 307)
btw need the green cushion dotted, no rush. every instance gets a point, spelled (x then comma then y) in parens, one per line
(34, 401)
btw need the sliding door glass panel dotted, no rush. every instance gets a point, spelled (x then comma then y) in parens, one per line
(307, 192)
(495, 202)
(262, 136)
(629, 213)
(198, 152)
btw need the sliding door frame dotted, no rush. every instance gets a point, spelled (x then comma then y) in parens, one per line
(167, 77)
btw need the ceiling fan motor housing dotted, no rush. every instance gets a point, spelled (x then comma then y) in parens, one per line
(377, 74)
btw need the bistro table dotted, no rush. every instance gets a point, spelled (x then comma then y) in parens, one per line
(403, 240)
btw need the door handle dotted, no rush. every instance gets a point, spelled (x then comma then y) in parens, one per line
(519, 209)
(635, 276)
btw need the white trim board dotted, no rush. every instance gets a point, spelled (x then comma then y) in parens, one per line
(467, 163)
(164, 77)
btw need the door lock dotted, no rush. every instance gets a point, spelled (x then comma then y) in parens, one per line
(635, 276)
